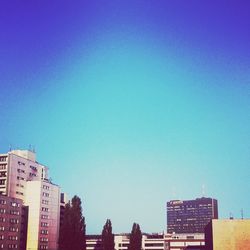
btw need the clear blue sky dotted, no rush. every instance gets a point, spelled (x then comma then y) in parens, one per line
(131, 103)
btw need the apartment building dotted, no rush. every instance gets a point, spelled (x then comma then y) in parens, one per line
(16, 168)
(43, 200)
(22, 177)
(12, 223)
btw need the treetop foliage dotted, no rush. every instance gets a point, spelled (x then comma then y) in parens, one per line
(73, 229)
(107, 236)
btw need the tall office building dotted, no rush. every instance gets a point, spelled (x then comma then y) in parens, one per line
(22, 177)
(190, 216)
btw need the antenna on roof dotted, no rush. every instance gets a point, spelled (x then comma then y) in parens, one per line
(29, 147)
(34, 150)
(231, 216)
(242, 215)
(203, 190)
(10, 147)
(174, 192)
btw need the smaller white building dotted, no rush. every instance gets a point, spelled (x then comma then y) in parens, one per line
(181, 241)
(155, 241)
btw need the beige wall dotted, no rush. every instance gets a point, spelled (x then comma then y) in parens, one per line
(231, 234)
(33, 200)
(43, 199)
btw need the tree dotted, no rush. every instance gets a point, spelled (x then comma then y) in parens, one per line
(135, 238)
(65, 229)
(107, 236)
(73, 229)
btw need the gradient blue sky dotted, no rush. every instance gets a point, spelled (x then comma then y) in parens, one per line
(131, 103)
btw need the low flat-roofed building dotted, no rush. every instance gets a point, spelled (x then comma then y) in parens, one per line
(94, 242)
(149, 242)
(228, 234)
(122, 241)
(183, 241)
(153, 241)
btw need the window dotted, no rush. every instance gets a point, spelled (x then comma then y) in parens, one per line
(43, 247)
(33, 168)
(3, 166)
(45, 209)
(32, 175)
(44, 239)
(1, 228)
(45, 202)
(19, 193)
(12, 237)
(44, 224)
(14, 221)
(2, 182)
(13, 229)
(45, 194)
(20, 171)
(43, 231)
(3, 202)
(3, 158)
(3, 174)
(20, 185)
(2, 211)
(45, 216)
(14, 204)
(46, 187)
(12, 246)
(13, 212)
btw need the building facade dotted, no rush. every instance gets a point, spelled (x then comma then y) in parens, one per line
(184, 241)
(12, 222)
(43, 200)
(16, 168)
(156, 241)
(228, 234)
(22, 177)
(149, 242)
(190, 216)
(94, 242)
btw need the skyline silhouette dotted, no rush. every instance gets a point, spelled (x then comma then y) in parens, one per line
(131, 104)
